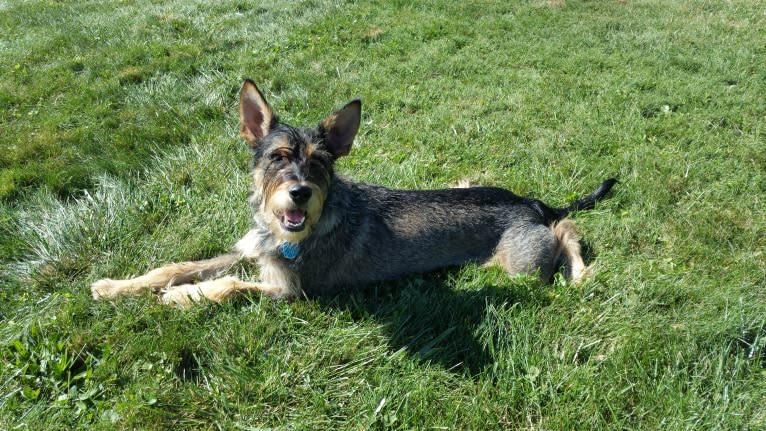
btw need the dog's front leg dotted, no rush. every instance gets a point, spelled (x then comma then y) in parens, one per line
(164, 277)
(278, 282)
(216, 290)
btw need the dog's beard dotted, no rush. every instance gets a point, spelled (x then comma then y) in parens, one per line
(288, 221)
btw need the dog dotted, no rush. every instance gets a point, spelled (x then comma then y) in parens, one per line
(315, 232)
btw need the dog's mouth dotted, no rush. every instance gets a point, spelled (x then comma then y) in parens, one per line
(293, 220)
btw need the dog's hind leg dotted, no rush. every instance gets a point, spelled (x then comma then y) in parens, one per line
(164, 277)
(569, 250)
(528, 248)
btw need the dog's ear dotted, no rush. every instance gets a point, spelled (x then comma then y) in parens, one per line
(255, 114)
(340, 128)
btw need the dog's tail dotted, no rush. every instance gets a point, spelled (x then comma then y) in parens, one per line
(586, 203)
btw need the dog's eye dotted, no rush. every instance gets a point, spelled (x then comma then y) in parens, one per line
(277, 157)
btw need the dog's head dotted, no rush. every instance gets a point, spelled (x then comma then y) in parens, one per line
(293, 167)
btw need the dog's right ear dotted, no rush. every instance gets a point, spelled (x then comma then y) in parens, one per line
(255, 114)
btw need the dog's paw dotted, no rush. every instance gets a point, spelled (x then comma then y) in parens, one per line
(183, 295)
(584, 274)
(187, 294)
(106, 288)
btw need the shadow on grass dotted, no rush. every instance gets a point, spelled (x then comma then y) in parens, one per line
(435, 322)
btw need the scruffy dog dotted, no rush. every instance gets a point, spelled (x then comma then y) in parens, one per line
(314, 231)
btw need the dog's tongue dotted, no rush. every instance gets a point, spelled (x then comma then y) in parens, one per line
(295, 216)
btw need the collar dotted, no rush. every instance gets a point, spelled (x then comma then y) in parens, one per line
(289, 250)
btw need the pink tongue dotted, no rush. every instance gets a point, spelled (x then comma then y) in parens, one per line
(295, 216)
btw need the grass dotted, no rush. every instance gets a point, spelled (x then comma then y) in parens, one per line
(119, 152)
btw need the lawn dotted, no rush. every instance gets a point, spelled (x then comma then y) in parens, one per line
(120, 151)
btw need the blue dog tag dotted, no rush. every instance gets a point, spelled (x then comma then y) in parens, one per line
(288, 250)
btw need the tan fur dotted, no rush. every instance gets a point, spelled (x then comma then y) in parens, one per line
(163, 277)
(214, 290)
(569, 247)
(174, 282)
(279, 201)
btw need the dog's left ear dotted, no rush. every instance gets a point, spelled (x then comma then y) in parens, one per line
(340, 128)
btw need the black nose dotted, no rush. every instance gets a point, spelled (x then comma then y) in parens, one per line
(300, 193)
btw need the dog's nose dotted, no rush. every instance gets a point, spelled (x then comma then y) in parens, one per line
(300, 193)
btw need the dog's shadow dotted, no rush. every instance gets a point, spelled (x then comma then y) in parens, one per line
(431, 320)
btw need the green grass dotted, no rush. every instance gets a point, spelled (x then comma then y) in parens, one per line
(119, 151)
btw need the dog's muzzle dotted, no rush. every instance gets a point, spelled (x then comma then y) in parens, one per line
(294, 220)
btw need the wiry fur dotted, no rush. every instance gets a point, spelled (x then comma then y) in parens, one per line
(350, 234)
